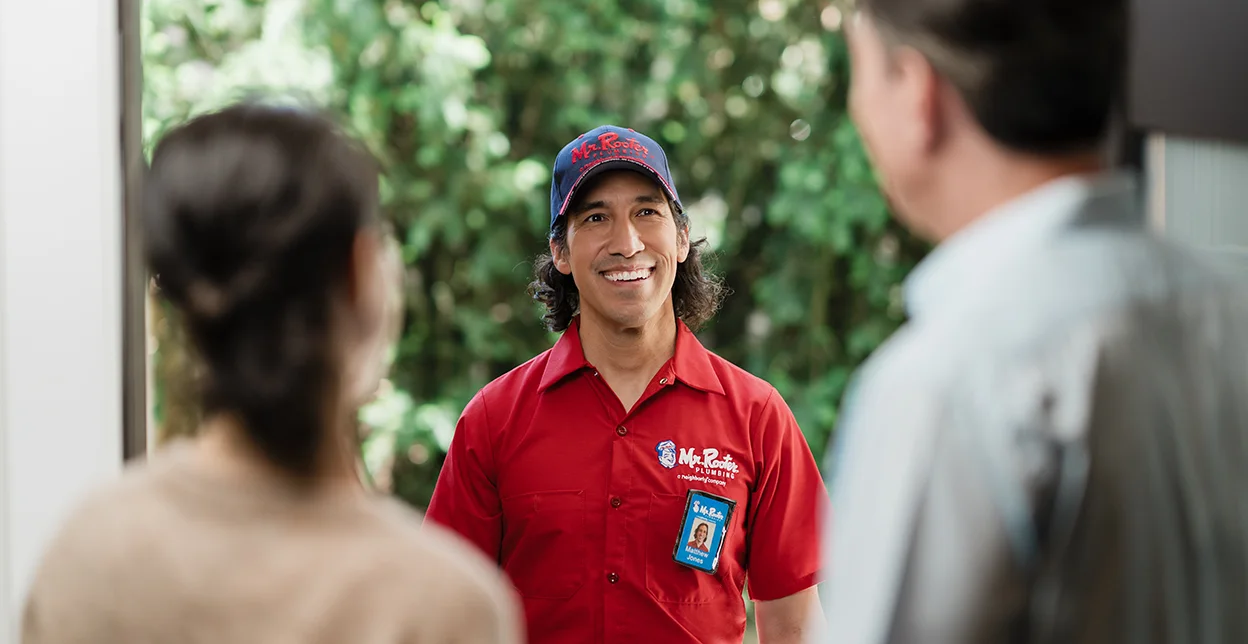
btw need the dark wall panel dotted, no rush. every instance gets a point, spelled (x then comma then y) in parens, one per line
(1189, 73)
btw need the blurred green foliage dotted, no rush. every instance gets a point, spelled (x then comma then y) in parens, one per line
(466, 103)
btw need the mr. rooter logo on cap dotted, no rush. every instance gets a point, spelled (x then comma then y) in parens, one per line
(609, 145)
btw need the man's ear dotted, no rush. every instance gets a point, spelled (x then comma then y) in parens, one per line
(682, 244)
(560, 254)
(924, 93)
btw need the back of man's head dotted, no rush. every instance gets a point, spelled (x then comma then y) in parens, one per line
(1039, 76)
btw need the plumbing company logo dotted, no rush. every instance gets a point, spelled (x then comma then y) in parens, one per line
(667, 454)
(708, 512)
(609, 146)
(708, 465)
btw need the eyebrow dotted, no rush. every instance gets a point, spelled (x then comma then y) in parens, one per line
(595, 205)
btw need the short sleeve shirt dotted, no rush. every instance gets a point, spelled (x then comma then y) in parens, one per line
(581, 501)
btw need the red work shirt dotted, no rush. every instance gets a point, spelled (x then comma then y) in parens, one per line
(581, 501)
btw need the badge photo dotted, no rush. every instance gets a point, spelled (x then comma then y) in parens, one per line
(703, 531)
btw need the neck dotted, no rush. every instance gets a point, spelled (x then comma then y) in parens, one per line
(224, 446)
(993, 180)
(629, 351)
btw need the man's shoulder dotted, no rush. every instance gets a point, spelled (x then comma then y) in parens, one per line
(910, 351)
(525, 377)
(1089, 277)
(739, 383)
(1095, 267)
(906, 367)
(1055, 307)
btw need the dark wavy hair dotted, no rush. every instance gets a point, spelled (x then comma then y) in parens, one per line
(696, 294)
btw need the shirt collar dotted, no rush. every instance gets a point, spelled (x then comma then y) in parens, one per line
(962, 259)
(691, 363)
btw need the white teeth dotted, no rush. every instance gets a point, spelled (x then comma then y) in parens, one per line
(627, 276)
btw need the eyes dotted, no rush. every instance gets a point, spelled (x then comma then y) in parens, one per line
(600, 217)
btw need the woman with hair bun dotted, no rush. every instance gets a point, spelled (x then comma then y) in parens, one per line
(261, 228)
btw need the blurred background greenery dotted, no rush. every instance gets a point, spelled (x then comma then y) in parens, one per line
(466, 103)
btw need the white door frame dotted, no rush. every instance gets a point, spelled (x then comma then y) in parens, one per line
(61, 273)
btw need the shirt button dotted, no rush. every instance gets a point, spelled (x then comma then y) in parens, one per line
(621, 430)
(662, 381)
(613, 578)
(616, 502)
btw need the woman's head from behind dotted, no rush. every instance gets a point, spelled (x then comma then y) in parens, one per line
(260, 226)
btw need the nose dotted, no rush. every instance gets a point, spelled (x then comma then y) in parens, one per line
(625, 239)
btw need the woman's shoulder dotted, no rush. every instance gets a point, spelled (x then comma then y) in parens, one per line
(405, 530)
(95, 542)
(453, 579)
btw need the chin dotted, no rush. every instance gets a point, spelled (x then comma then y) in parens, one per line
(627, 321)
(630, 310)
(632, 316)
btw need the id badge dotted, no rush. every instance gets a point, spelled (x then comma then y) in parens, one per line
(703, 531)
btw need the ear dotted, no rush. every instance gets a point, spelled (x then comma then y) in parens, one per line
(682, 244)
(367, 288)
(924, 91)
(376, 297)
(365, 251)
(560, 255)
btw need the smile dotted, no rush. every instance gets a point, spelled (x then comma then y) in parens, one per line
(634, 275)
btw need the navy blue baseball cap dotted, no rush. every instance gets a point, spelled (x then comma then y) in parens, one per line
(606, 147)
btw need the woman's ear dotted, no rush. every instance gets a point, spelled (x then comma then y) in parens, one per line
(376, 298)
(364, 287)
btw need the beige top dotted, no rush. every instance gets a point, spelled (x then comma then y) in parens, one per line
(174, 554)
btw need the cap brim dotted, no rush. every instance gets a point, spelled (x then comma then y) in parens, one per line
(618, 164)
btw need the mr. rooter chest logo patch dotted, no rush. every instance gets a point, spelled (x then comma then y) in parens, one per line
(707, 465)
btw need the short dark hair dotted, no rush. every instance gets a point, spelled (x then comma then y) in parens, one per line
(249, 217)
(1040, 76)
(697, 293)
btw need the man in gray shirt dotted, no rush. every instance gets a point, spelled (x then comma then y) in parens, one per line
(1054, 448)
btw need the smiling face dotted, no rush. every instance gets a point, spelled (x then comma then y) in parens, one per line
(699, 534)
(622, 250)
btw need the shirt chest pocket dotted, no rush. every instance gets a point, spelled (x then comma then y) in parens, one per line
(666, 580)
(544, 543)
